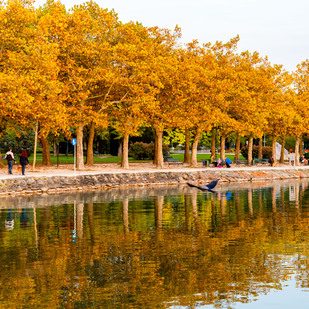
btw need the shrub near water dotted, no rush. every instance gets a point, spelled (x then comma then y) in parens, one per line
(144, 151)
(267, 152)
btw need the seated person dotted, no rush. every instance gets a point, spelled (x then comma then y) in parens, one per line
(228, 162)
(272, 161)
(220, 162)
(211, 160)
(303, 160)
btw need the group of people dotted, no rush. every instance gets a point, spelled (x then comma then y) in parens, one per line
(291, 157)
(23, 160)
(271, 161)
(302, 159)
(220, 162)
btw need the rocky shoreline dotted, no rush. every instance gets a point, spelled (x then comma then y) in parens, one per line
(51, 184)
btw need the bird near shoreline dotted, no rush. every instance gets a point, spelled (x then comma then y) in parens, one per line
(208, 187)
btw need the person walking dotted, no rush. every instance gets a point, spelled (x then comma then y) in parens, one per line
(23, 160)
(292, 158)
(9, 156)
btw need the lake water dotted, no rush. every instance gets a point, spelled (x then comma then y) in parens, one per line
(246, 246)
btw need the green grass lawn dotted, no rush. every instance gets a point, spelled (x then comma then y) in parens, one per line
(63, 159)
(201, 156)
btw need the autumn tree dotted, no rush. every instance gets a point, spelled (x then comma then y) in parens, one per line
(134, 89)
(255, 86)
(83, 36)
(159, 111)
(225, 90)
(200, 99)
(280, 108)
(299, 103)
(30, 63)
(205, 82)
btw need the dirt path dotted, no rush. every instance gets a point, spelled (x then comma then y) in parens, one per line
(68, 169)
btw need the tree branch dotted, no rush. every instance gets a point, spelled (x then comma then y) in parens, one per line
(114, 102)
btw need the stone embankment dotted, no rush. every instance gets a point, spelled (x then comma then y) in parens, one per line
(38, 184)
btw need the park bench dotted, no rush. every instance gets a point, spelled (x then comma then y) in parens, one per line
(206, 162)
(241, 161)
(262, 161)
(172, 161)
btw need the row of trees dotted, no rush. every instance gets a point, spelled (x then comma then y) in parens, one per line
(62, 71)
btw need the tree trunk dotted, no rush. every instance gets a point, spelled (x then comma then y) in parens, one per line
(282, 150)
(125, 214)
(89, 158)
(296, 161)
(273, 148)
(125, 151)
(159, 150)
(260, 154)
(1, 161)
(301, 150)
(80, 219)
(35, 144)
(250, 147)
(222, 150)
(193, 162)
(213, 143)
(54, 148)
(91, 222)
(155, 157)
(187, 148)
(159, 202)
(79, 147)
(237, 147)
(45, 151)
(119, 152)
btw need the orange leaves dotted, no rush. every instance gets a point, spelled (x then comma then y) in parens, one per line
(29, 68)
(87, 65)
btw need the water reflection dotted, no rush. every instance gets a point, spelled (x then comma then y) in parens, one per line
(154, 248)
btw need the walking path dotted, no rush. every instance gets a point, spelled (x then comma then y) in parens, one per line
(68, 171)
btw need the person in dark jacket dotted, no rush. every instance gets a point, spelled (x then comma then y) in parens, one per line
(272, 161)
(23, 160)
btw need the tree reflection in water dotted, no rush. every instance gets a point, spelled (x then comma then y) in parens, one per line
(154, 248)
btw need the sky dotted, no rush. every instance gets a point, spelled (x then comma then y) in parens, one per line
(277, 29)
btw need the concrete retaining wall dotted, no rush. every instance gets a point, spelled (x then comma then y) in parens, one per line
(53, 184)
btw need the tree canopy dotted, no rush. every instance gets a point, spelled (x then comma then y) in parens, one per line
(68, 69)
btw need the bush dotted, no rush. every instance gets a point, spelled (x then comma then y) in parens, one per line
(267, 152)
(144, 151)
(141, 151)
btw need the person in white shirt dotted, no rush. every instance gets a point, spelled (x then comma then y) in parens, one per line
(9, 156)
(292, 158)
